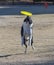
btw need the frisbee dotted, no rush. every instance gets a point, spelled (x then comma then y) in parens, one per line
(26, 13)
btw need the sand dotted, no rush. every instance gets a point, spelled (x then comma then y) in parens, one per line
(10, 39)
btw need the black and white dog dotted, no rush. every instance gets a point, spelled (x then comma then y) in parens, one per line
(27, 32)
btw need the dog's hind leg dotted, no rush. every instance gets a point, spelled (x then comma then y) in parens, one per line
(32, 43)
(25, 45)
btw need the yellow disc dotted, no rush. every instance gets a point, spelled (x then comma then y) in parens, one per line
(26, 13)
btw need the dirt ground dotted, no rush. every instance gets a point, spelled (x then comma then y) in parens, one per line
(10, 40)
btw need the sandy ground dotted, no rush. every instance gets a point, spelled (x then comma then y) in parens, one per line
(11, 50)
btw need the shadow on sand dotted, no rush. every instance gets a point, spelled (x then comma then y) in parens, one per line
(27, 62)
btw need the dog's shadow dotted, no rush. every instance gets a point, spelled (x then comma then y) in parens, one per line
(9, 55)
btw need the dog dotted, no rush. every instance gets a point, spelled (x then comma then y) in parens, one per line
(27, 32)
